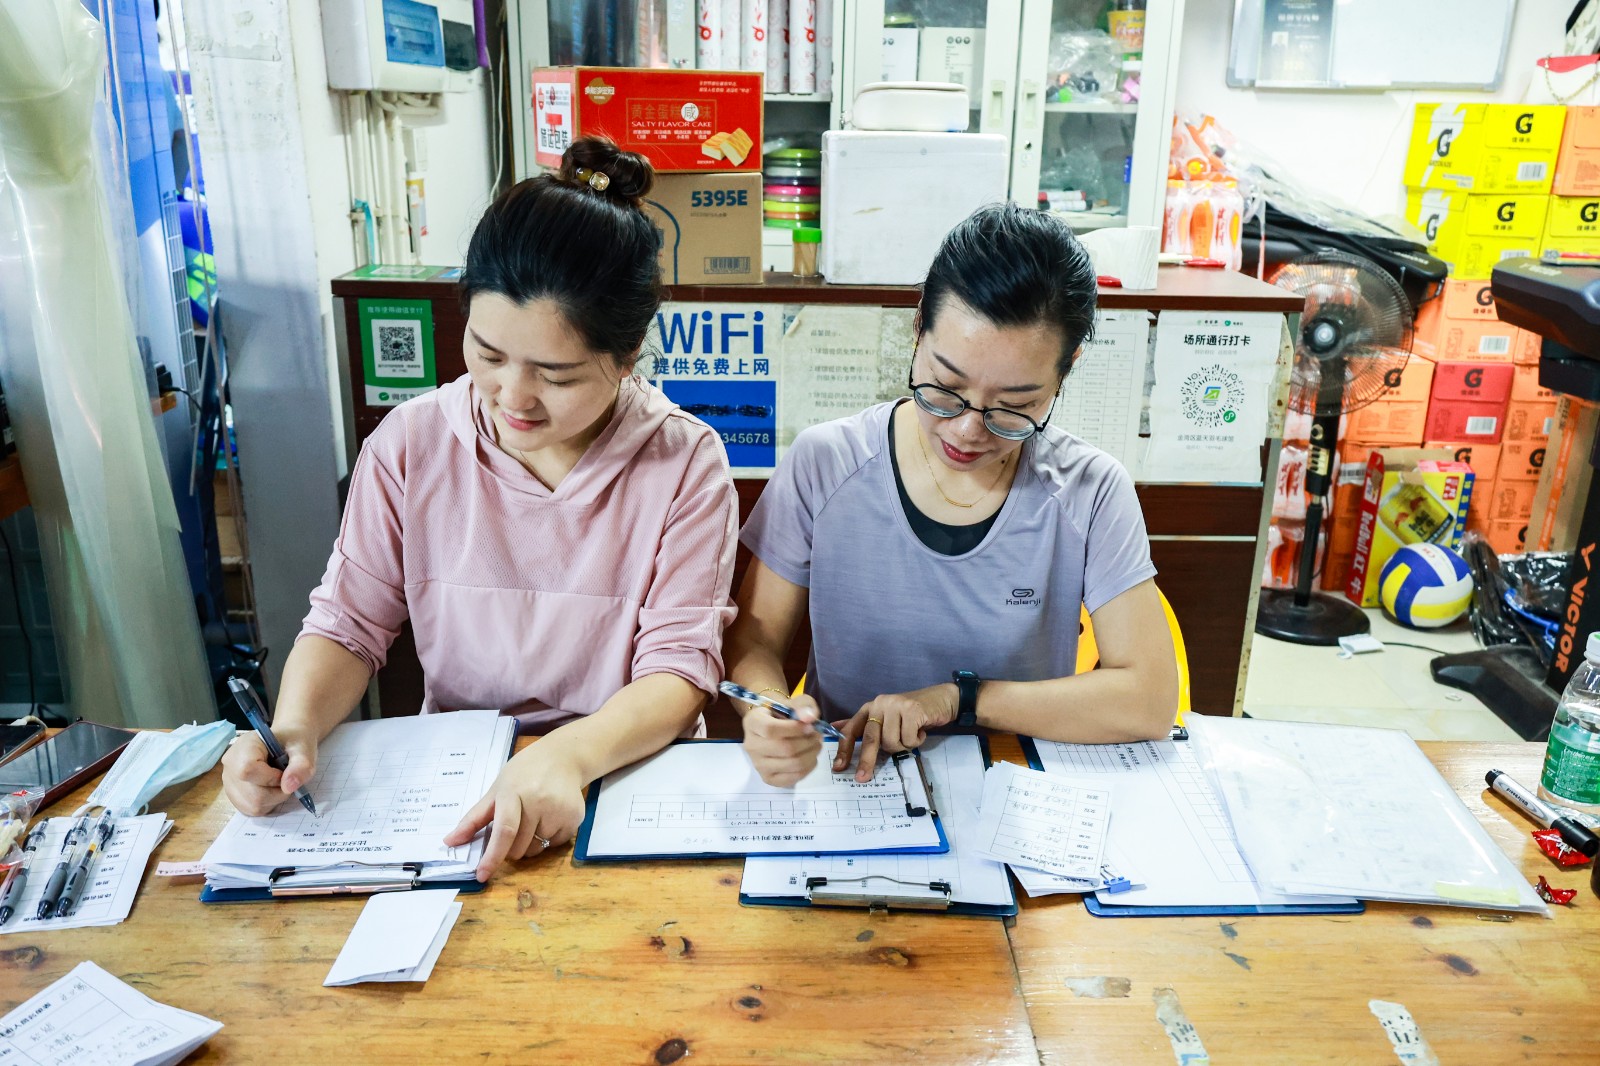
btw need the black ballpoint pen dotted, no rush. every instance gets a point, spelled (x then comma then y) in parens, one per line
(13, 893)
(256, 715)
(78, 879)
(58, 876)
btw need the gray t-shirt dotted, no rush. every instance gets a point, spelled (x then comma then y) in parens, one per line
(889, 614)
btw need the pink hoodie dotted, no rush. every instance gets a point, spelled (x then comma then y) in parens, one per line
(541, 603)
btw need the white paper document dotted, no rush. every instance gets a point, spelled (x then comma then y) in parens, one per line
(1104, 396)
(1208, 411)
(1354, 810)
(1170, 825)
(705, 798)
(114, 875)
(89, 1016)
(1116, 875)
(387, 791)
(398, 937)
(1047, 822)
(955, 773)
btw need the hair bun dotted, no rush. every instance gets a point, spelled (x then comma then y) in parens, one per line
(628, 175)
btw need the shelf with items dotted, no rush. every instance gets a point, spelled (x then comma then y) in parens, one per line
(1090, 107)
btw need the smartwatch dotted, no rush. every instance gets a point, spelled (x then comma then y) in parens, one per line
(967, 684)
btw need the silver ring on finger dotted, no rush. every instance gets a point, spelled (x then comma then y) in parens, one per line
(543, 842)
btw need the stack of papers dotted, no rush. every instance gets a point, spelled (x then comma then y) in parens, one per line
(1354, 811)
(114, 875)
(90, 1016)
(955, 775)
(1052, 823)
(398, 937)
(387, 791)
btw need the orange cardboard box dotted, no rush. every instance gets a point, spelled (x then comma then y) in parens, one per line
(1410, 383)
(1525, 385)
(1483, 458)
(1529, 421)
(1522, 460)
(1476, 423)
(680, 120)
(1507, 536)
(1478, 506)
(1578, 159)
(1461, 323)
(1526, 351)
(1389, 424)
(1509, 500)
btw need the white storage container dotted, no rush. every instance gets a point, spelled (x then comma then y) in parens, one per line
(889, 198)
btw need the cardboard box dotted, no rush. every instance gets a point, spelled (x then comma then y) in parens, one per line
(1507, 536)
(1529, 421)
(1483, 458)
(1578, 159)
(1525, 387)
(1484, 147)
(1522, 460)
(1460, 226)
(1508, 501)
(1565, 481)
(1479, 423)
(1408, 384)
(680, 120)
(1461, 324)
(1410, 496)
(1389, 424)
(1470, 382)
(710, 226)
(1478, 513)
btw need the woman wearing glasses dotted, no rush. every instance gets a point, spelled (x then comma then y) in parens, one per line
(942, 545)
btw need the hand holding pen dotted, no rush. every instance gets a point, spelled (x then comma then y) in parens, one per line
(756, 699)
(256, 715)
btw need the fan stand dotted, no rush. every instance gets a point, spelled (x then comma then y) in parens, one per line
(1301, 616)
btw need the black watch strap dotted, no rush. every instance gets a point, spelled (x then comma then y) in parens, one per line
(967, 684)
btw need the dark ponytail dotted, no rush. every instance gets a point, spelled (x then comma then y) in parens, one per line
(580, 238)
(1015, 267)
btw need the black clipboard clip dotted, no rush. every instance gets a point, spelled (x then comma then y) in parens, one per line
(833, 895)
(914, 810)
(411, 878)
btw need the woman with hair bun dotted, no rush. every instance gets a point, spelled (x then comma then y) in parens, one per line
(942, 545)
(559, 534)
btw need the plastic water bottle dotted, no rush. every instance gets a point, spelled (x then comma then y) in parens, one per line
(1572, 757)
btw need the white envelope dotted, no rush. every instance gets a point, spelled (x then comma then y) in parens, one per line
(397, 938)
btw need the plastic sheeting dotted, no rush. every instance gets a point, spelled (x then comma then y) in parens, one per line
(119, 591)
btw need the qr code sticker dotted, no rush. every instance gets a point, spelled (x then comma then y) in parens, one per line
(397, 348)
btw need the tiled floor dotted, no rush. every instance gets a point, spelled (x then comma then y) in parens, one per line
(1391, 688)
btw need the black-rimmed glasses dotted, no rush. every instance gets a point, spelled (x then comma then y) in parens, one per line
(1001, 421)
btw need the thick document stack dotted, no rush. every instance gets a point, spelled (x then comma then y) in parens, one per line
(387, 791)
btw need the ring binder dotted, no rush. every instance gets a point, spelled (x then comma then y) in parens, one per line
(276, 887)
(878, 901)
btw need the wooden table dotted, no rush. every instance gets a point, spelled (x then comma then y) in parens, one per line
(653, 963)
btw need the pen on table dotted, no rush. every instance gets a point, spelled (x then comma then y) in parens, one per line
(256, 715)
(58, 876)
(1577, 836)
(12, 896)
(744, 695)
(78, 879)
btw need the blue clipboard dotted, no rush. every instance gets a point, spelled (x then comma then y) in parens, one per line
(889, 899)
(1122, 910)
(580, 845)
(260, 895)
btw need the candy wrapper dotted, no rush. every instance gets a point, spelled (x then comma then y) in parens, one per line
(1550, 842)
(1562, 896)
(16, 809)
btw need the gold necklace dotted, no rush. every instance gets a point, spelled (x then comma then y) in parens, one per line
(928, 462)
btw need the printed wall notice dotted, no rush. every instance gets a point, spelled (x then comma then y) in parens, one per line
(719, 363)
(830, 365)
(1208, 411)
(1104, 395)
(396, 350)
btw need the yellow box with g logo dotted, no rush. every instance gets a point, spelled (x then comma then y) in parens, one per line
(1456, 222)
(1572, 219)
(1484, 147)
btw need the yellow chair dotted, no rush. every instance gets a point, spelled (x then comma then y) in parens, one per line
(1089, 651)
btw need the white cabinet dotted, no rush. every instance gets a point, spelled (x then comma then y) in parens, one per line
(1089, 126)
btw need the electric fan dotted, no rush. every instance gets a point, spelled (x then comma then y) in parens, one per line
(1355, 334)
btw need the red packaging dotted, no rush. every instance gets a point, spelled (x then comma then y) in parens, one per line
(680, 120)
(1564, 854)
(1559, 896)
